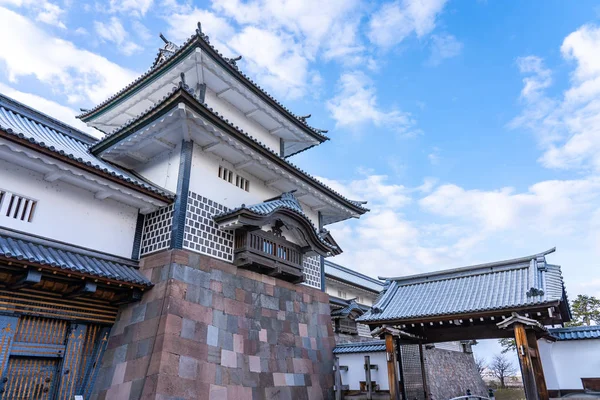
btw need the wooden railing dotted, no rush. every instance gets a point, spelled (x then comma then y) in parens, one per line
(264, 250)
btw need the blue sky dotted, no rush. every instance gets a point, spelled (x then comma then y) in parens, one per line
(471, 127)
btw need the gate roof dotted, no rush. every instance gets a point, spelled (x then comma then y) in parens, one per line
(521, 283)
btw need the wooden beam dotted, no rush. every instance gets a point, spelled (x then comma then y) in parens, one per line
(338, 379)
(536, 363)
(29, 279)
(368, 378)
(53, 176)
(525, 362)
(211, 146)
(423, 371)
(390, 353)
(83, 290)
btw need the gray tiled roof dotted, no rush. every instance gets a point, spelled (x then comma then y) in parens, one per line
(21, 247)
(285, 201)
(360, 347)
(501, 285)
(350, 307)
(23, 122)
(337, 271)
(200, 38)
(576, 332)
(184, 88)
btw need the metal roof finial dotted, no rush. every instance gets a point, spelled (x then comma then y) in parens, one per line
(182, 82)
(200, 33)
(199, 30)
(164, 39)
(303, 118)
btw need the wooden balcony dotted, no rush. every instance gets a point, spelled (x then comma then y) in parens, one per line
(267, 253)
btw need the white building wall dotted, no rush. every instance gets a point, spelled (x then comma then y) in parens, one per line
(356, 371)
(205, 181)
(566, 362)
(347, 292)
(70, 214)
(238, 118)
(163, 169)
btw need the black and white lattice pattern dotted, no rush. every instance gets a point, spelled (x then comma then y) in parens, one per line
(201, 233)
(157, 230)
(312, 271)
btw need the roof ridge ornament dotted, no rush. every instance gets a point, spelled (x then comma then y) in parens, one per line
(201, 34)
(233, 61)
(303, 118)
(516, 318)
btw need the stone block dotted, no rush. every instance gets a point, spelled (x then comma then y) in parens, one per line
(119, 373)
(188, 329)
(188, 367)
(228, 359)
(217, 393)
(254, 363)
(212, 335)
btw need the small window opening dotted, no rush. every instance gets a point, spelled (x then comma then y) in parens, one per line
(18, 207)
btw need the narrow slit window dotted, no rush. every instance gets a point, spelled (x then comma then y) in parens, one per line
(19, 207)
(233, 178)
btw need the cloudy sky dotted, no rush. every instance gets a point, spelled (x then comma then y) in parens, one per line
(471, 127)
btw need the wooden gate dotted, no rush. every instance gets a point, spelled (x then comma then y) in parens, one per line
(48, 359)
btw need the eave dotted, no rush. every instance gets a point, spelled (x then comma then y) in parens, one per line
(199, 41)
(54, 167)
(182, 98)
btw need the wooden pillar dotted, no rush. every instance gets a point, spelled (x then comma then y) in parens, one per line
(525, 362)
(536, 363)
(390, 350)
(423, 371)
(368, 377)
(338, 380)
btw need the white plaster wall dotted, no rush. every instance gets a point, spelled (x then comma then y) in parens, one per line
(163, 169)
(238, 118)
(356, 370)
(332, 287)
(545, 348)
(451, 346)
(70, 214)
(570, 360)
(205, 180)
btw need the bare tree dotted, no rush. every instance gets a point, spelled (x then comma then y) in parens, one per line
(502, 368)
(480, 363)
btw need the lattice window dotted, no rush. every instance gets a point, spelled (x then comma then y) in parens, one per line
(312, 271)
(411, 371)
(157, 230)
(201, 233)
(16, 206)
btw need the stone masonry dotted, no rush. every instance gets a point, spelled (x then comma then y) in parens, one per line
(208, 330)
(451, 373)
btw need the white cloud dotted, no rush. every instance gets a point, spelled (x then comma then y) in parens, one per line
(412, 230)
(395, 21)
(136, 8)
(567, 127)
(114, 32)
(355, 103)
(44, 11)
(49, 107)
(293, 35)
(57, 63)
(434, 157)
(443, 47)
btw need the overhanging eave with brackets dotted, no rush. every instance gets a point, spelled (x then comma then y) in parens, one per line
(200, 68)
(181, 117)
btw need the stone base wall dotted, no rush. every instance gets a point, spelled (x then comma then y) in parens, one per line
(208, 330)
(451, 373)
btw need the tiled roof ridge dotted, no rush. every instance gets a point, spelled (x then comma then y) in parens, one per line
(201, 36)
(20, 246)
(139, 183)
(366, 343)
(46, 120)
(185, 88)
(581, 328)
(443, 274)
(353, 272)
